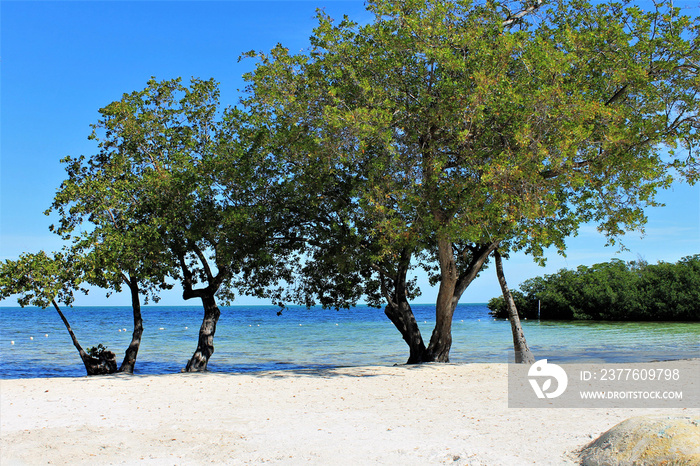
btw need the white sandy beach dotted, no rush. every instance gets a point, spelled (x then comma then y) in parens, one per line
(429, 414)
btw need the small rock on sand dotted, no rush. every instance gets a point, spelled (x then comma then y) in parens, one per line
(646, 440)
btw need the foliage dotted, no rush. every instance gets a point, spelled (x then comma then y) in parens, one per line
(460, 128)
(40, 279)
(612, 291)
(178, 188)
(498, 309)
(443, 130)
(96, 351)
(150, 142)
(181, 189)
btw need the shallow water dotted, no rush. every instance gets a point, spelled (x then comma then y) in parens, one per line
(252, 338)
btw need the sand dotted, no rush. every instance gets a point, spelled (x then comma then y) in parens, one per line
(408, 415)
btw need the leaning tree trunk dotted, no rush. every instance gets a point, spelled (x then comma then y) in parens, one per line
(205, 346)
(106, 363)
(133, 349)
(399, 311)
(402, 317)
(523, 355)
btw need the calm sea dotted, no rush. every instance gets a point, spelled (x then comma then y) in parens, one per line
(34, 342)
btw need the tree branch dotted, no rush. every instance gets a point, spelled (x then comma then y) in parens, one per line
(466, 277)
(617, 95)
(514, 18)
(548, 174)
(187, 291)
(203, 261)
(383, 286)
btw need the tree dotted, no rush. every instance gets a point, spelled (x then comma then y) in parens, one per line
(670, 291)
(613, 291)
(163, 151)
(453, 129)
(117, 248)
(41, 280)
(527, 308)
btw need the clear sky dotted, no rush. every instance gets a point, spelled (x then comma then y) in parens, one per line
(61, 61)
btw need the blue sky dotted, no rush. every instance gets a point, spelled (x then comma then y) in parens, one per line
(63, 60)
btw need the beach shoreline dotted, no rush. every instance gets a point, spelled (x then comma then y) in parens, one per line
(426, 414)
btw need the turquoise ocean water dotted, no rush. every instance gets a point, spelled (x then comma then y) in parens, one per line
(34, 342)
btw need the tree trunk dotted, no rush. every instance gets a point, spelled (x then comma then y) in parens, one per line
(399, 311)
(523, 355)
(106, 363)
(441, 339)
(133, 349)
(205, 346)
(452, 285)
(401, 315)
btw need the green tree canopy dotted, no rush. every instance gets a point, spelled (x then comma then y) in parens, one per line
(180, 188)
(612, 290)
(444, 129)
(41, 279)
(44, 280)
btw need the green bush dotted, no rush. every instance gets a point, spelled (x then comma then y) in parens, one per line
(96, 351)
(526, 307)
(612, 291)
